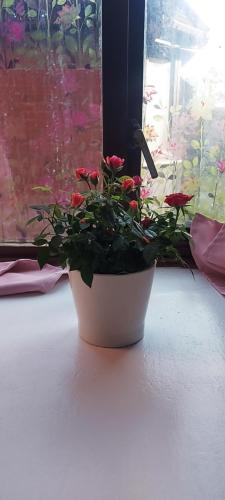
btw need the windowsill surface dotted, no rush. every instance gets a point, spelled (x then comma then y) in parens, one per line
(84, 423)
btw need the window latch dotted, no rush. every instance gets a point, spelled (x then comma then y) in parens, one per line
(142, 144)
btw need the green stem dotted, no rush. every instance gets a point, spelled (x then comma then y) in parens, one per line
(177, 216)
(216, 189)
(48, 24)
(78, 34)
(201, 157)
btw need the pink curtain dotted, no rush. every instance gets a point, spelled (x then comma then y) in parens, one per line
(208, 249)
(24, 275)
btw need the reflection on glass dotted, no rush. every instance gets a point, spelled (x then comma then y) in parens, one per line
(50, 102)
(184, 100)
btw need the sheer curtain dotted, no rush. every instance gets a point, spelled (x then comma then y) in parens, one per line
(184, 101)
(50, 102)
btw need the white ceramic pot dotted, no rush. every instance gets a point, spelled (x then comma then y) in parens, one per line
(112, 312)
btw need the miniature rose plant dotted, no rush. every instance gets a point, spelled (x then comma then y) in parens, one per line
(108, 228)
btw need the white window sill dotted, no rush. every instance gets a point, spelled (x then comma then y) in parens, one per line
(84, 423)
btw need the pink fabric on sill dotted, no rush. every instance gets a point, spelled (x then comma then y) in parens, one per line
(24, 275)
(208, 249)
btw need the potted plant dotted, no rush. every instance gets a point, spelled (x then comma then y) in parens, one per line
(110, 239)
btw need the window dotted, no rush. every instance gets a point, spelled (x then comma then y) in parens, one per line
(184, 100)
(51, 75)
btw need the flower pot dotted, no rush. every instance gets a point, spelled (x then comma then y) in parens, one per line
(112, 312)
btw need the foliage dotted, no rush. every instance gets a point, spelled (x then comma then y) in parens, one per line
(65, 30)
(187, 145)
(109, 229)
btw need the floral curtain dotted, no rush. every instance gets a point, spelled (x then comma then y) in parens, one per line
(184, 103)
(50, 102)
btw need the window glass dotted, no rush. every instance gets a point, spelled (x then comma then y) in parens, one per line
(184, 100)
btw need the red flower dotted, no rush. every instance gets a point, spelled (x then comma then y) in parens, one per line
(133, 205)
(94, 177)
(128, 184)
(221, 166)
(177, 199)
(115, 162)
(81, 173)
(77, 199)
(137, 180)
(146, 222)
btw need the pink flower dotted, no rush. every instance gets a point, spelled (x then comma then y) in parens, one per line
(81, 173)
(221, 166)
(128, 184)
(157, 153)
(137, 180)
(12, 31)
(133, 205)
(80, 119)
(173, 146)
(145, 193)
(94, 177)
(115, 162)
(77, 199)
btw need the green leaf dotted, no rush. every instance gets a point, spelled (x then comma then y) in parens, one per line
(89, 23)
(71, 44)
(150, 252)
(88, 42)
(157, 118)
(41, 208)
(38, 36)
(30, 221)
(55, 242)
(214, 152)
(32, 13)
(59, 228)
(57, 36)
(61, 2)
(195, 144)
(213, 171)
(150, 233)
(87, 274)
(53, 3)
(43, 256)
(43, 189)
(10, 12)
(195, 161)
(187, 164)
(7, 3)
(73, 31)
(39, 241)
(57, 211)
(88, 10)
